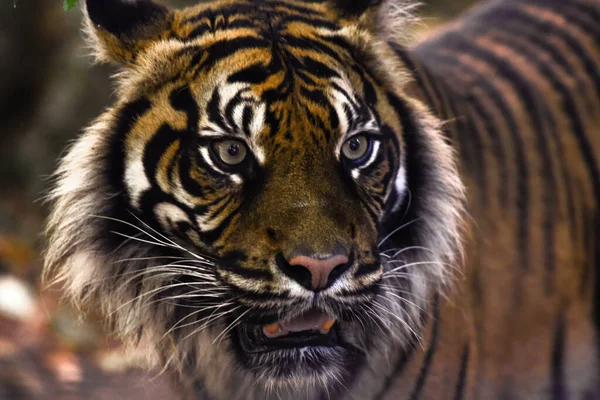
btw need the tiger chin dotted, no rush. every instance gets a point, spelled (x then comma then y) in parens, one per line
(254, 210)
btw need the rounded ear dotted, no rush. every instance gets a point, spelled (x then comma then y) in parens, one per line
(354, 8)
(121, 29)
(387, 18)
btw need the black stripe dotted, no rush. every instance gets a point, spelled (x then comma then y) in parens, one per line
(405, 357)
(526, 93)
(213, 110)
(573, 12)
(254, 10)
(402, 362)
(558, 59)
(369, 93)
(496, 96)
(247, 117)
(497, 147)
(574, 45)
(155, 148)
(427, 361)
(472, 138)
(522, 197)
(459, 390)
(127, 117)
(210, 237)
(417, 73)
(585, 147)
(113, 163)
(309, 44)
(366, 269)
(210, 26)
(551, 192)
(315, 96)
(522, 19)
(255, 73)
(557, 373)
(589, 237)
(207, 56)
(596, 294)
(248, 273)
(319, 69)
(263, 295)
(222, 207)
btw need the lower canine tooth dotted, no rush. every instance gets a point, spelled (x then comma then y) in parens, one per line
(271, 329)
(326, 327)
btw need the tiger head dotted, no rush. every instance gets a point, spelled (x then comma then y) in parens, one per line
(263, 202)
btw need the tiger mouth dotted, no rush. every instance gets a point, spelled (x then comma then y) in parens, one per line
(314, 328)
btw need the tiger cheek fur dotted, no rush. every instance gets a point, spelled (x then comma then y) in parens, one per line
(242, 208)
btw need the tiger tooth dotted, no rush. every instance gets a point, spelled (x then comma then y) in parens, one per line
(271, 329)
(326, 327)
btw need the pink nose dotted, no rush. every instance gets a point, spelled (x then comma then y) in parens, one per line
(320, 270)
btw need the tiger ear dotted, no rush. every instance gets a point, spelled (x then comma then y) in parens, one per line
(354, 8)
(391, 18)
(121, 29)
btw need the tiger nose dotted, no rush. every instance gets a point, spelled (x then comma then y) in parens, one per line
(323, 271)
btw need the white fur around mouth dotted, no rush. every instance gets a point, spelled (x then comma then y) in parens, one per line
(312, 320)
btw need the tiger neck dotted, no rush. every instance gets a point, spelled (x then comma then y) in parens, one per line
(431, 91)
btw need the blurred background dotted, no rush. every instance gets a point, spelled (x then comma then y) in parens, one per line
(50, 91)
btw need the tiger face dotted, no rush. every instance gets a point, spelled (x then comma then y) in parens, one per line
(247, 207)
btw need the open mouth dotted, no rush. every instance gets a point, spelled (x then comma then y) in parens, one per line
(314, 328)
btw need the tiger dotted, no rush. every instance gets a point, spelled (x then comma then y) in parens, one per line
(295, 200)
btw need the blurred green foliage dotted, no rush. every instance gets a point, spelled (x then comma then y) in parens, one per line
(69, 4)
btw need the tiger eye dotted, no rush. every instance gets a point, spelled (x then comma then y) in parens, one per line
(355, 147)
(231, 152)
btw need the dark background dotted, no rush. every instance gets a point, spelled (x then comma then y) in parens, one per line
(49, 91)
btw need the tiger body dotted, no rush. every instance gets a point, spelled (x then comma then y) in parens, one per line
(492, 297)
(519, 83)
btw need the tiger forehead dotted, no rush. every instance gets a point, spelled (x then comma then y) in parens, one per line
(274, 73)
(277, 95)
(274, 116)
(269, 17)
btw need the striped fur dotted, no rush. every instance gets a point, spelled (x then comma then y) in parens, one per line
(179, 250)
(519, 83)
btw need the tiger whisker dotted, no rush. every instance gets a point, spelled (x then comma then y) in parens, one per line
(178, 325)
(403, 300)
(165, 270)
(395, 231)
(148, 293)
(377, 321)
(403, 322)
(404, 266)
(125, 242)
(148, 259)
(194, 296)
(138, 228)
(141, 240)
(360, 321)
(157, 271)
(201, 257)
(229, 328)
(394, 289)
(213, 318)
(400, 251)
(167, 243)
(221, 315)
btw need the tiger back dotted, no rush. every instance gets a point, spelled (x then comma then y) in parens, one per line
(519, 86)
